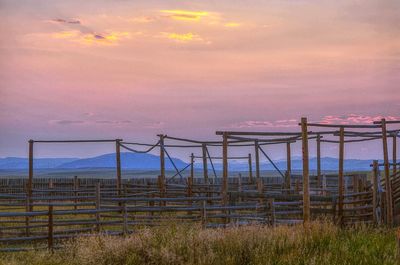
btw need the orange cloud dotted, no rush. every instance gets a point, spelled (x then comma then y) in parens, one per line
(232, 24)
(110, 38)
(186, 15)
(184, 37)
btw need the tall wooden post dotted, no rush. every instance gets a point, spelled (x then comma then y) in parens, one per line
(98, 203)
(306, 194)
(225, 168)
(394, 149)
(389, 208)
(118, 157)
(375, 190)
(50, 233)
(288, 165)
(250, 169)
(192, 166)
(257, 154)
(340, 175)
(162, 156)
(319, 183)
(30, 180)
(205, 168)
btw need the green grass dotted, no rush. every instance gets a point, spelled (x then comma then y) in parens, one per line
(316, 243)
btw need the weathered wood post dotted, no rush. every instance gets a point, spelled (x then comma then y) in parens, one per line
(50, 236)
(125, 219)
(375, 190)
(225, 168)
(239, 187)
(260, 189)
(257, 157)
(250, 169)
(271, 207)
(162, 189)
(205, 167)
(203, 214)
(319, 183)
(118, 159)
(98, 203)
(162, 156)
(288, 166)
(76, 188)
(394, 153)
(389, 207)
(192, 166)
(340, 175)
(30, 179)
(306, 194)
(189, 192)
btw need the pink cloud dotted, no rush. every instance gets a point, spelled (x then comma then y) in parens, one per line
(266, 124)
(355, 119)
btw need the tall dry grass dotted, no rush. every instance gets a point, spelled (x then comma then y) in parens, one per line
(316, 243)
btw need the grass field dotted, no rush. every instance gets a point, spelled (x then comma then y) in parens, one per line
(316, 243)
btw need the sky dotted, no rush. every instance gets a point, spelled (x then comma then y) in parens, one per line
(134, 69)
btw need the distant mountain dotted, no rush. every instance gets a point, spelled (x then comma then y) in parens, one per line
(128, 161)
(40, 163)
(152, 162)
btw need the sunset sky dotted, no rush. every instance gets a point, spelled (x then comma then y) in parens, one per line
(133, 69)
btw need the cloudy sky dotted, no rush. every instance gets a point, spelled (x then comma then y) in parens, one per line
(132, 69)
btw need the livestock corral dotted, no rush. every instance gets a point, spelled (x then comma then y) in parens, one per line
(43, 212)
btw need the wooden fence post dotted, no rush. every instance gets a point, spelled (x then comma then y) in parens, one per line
(288, 165)
(306, 194)
(257, 157)
(27, 219)
(98, 206)
(161, 188)
(118, 158)
(240, 187)
(375, 190)
(394, 153)
(324, 185)
(190, 192)
(341, 176)
(30, 180)
(271, 207)
(250, 169)
(389, 207)
(319, 184)
(225, 168)
(125, 219)
(203, 214)
(50, 234)
(76, 188)
(205, 167)
(162, 156)
(192, 167)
